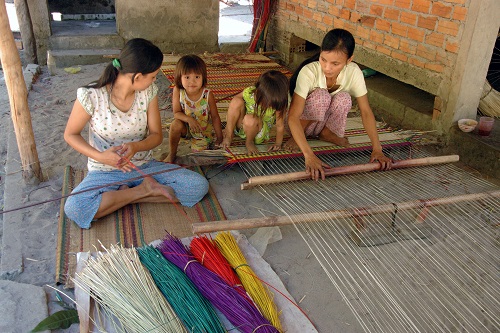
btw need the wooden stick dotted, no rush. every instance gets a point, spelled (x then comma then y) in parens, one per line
(345, 170)
(271, 221)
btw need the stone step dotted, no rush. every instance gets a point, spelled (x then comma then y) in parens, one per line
(68, 58)
(86, 41)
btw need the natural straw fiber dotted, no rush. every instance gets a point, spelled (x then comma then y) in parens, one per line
(133, 225)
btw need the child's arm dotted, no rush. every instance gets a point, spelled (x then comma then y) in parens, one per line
(214, 114)
(371, 129)
(280, 130)
(179, 113)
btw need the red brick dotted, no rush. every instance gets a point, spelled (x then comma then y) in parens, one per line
(349, 26)
(369, 45)
(459, 13)
(311, 4)
(408, 47)
(399, 56)
(318, 17)
(408, 18)
(383, 25)
(383, 49)
(416, 34)
(405, 4)
(435, 67)
(440, 9)
(368, 21)
(362, 32)
(448, 27)
(299, 10)
(457, 1)
(328, 20)
(339, 2)
(385, 2)
(351, 4)
(355, 17)
(426, 52)
(421, 6)
(376, 10)
(427, 22)
(391, 41)
(435, 39)
(451, 47)
(416, 62)
(391, 14)
(376, 37)
(334, 10)
(345, 14)
(399, 29)
(307, 13)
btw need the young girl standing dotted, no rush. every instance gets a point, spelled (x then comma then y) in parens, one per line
(321, 90)
(121, 109)
(195, 111)
(253, 112)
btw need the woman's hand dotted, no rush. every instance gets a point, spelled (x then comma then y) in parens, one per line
(113, 157)
(274, 147)
(385, 162)
(314, 167)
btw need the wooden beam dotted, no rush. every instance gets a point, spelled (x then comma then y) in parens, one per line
(272, 221)
(345, 170)
(18, 98)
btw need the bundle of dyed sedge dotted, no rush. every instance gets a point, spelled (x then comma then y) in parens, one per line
(207, 253)
(241, 313)
(193, 309)
(260, 295)
(121, 284)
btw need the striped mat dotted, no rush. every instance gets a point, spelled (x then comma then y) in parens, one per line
(133, 225)
(355, 132)
(228, 74)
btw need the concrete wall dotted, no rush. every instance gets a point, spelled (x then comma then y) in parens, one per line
(175, 26)
(428, 44)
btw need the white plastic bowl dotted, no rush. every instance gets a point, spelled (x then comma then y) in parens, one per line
(467, 125)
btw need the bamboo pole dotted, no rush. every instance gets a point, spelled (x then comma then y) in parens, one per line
(345, 170)
(272, 221)
(18, 98)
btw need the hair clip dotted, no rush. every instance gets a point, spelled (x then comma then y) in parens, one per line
(117, 64)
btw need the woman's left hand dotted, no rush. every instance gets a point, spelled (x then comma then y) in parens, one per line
(385, 162)
(126, 151)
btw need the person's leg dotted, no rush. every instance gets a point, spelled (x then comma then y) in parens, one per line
(235, 114)
(177, 129)
(335, 122)
(189, 187)
(251, 127)
(315, 110)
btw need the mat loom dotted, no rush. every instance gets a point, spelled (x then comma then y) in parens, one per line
(410, 250)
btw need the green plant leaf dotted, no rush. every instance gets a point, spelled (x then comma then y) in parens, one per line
(61, 319)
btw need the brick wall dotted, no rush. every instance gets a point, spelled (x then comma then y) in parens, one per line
(414, 41)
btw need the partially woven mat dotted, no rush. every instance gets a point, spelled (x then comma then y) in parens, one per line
(133, 225)
(228, 74)
(355, 132)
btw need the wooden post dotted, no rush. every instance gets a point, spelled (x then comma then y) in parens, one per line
(345, 170)
(18, 98)
(26, 27)
(272, 221)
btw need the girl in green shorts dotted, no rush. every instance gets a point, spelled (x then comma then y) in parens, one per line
(253, 112)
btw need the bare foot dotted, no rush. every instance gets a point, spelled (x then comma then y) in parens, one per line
(333, 138)
(154, 189)
(251, 148)
(170, 158)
